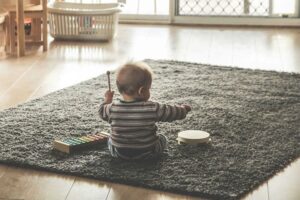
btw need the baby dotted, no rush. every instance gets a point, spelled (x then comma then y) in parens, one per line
(133, 117)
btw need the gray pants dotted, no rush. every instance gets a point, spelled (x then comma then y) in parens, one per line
(158, 149)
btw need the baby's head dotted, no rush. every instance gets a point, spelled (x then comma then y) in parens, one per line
(134, 81)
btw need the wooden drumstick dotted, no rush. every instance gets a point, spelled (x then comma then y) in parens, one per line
(108, 79)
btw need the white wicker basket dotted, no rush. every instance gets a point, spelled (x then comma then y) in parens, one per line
(78, 21)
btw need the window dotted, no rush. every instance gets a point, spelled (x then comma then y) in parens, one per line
(147, 7)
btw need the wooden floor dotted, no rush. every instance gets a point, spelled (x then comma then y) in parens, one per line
(68, 63)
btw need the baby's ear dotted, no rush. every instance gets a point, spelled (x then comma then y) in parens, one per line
(141, 90)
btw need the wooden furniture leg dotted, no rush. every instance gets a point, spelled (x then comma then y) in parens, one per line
(20, 28)
(36, 30)
(12, 33)
(33, 29)
(45, 26)
(7, 34)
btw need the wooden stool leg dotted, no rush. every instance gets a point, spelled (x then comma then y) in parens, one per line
(37, 31)
(20, 29)
(45, 26)
(12, 34)
(33, 27)
(45, 36)
(7, 34)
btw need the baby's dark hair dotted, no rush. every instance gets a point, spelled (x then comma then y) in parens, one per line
(132, 76)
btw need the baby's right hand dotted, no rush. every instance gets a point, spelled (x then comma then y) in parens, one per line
(187, 107)
(109, 96)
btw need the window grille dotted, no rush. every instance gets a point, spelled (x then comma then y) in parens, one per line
(225, 7)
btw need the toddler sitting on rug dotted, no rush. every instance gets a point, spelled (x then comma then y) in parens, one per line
(133, 117)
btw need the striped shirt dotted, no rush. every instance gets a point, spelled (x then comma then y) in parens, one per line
(133, 123)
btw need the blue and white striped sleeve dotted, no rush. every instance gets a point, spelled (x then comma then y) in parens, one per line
(104, 111)
(168, 113)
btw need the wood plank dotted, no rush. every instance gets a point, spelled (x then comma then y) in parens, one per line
(267, 50)
(12, 70)
(16, 183)
(244, 52)
(221, 47)
(119, 191)
(20, 90)
(199, 45)
(88, 189)
(261, 193)
(8, 77)
(49, 186)
(289, 45)
(285, 185)
(2, 170)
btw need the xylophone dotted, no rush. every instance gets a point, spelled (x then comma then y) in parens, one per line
(70, 145)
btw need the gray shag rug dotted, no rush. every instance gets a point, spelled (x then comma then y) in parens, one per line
(253, 117)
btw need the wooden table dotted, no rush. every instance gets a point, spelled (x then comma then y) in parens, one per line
(19, 7)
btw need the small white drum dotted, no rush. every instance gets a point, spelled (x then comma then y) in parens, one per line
(193, 137)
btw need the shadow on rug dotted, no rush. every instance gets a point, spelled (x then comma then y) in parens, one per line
(253, 117)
